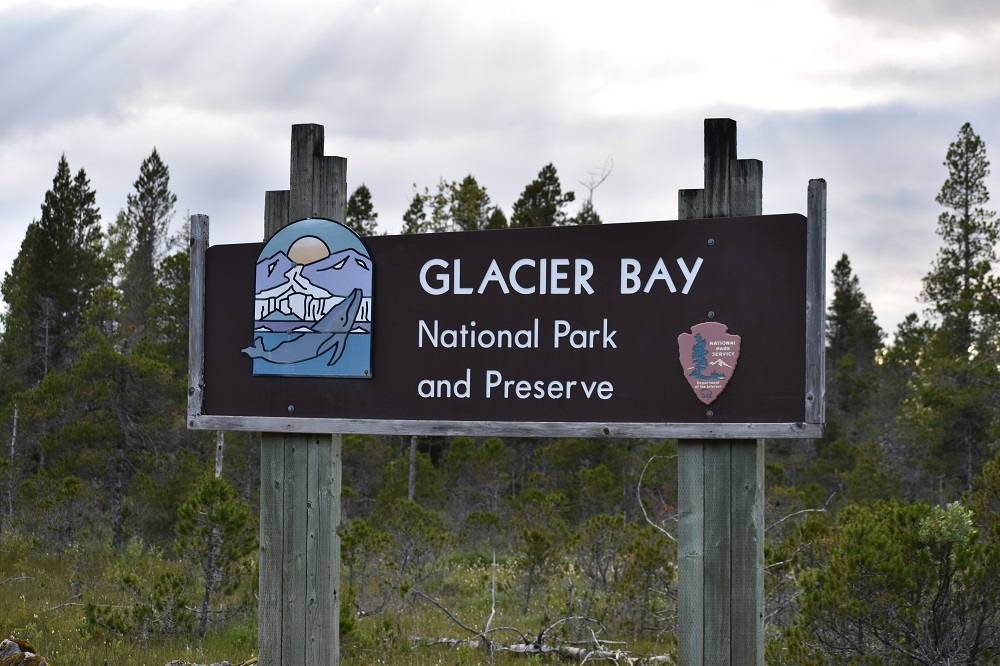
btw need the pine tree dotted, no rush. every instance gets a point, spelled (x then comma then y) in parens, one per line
(361, 216)
(854, 339)
(961, 289)
(953, 410)
(542, 202)
(899, 584)
(469, 205)
(587, 214)
(169, 311)
(215, 532)
(851, 325)
(455, 206)
(415, 217)
(52, 279)
(496, 220)
(139, 241)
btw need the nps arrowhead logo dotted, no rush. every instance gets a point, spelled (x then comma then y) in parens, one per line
(708, 355)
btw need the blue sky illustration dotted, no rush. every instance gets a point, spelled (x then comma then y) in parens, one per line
(336, 236)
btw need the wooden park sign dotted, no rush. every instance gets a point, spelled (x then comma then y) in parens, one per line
(709, 330)
(653, 329)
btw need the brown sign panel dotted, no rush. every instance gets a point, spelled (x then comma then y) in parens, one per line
(557, 327)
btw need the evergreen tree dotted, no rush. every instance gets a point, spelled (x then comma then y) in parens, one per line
(169, 311)
(853, 340)
(216, 533)
(851, 325)
(953, 411)
(469, 205)
(496, 220)
(361, 216)
(587, 214)
(440, 208)
(429, 213)
(455, 206)
(52, 279)
(890, 391)
(900, 584)
(961, 289)
(415, 217)
(542, 202)
(139, 241)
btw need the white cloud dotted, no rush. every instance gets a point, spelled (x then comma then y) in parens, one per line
(412, 92)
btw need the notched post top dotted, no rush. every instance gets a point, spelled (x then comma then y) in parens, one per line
(733, 187)
(318, 184)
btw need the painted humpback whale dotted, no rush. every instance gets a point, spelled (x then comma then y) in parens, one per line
(335, 324)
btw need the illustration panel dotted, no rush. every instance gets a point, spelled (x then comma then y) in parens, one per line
(313, 303)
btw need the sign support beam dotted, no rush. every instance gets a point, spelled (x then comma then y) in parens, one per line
(300, 474)
(721, 482)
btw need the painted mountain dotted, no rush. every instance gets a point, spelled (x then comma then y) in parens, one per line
(291, 295)
(313, 303)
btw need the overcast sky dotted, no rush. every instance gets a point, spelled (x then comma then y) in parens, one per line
(864, 93)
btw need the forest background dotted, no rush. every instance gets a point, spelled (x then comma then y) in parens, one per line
(124, 533)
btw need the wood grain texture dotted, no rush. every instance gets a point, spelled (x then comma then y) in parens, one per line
(323, 555)
(299, 616)
(816, 302)
(275, 212)
(743, 431)
(746, 188)
(747, 552)
(718, 593)
(293, 551)
(198, 246)
(691, 552)
(720, 152)
(270, 586)
(690, 204)
(720, 557)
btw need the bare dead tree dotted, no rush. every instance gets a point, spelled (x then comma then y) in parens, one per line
(545, 642)
(597, 176)
(638, 496)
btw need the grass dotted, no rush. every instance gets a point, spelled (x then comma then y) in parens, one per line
(43, 596)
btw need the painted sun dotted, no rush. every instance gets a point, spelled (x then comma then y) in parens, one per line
(307, 250)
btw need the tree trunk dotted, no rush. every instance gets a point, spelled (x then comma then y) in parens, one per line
(10, 487)
(411, 492)
(220, 447)
(211, 574)
(117, 499)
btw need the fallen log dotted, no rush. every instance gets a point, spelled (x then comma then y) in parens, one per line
(580, 654)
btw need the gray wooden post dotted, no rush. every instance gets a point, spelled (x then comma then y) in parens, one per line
(721, 482)
(300, 475)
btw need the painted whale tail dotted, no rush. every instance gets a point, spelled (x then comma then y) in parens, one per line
(256, 350)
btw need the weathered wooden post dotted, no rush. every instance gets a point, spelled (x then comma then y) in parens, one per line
(721, 481)
(300, 474)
